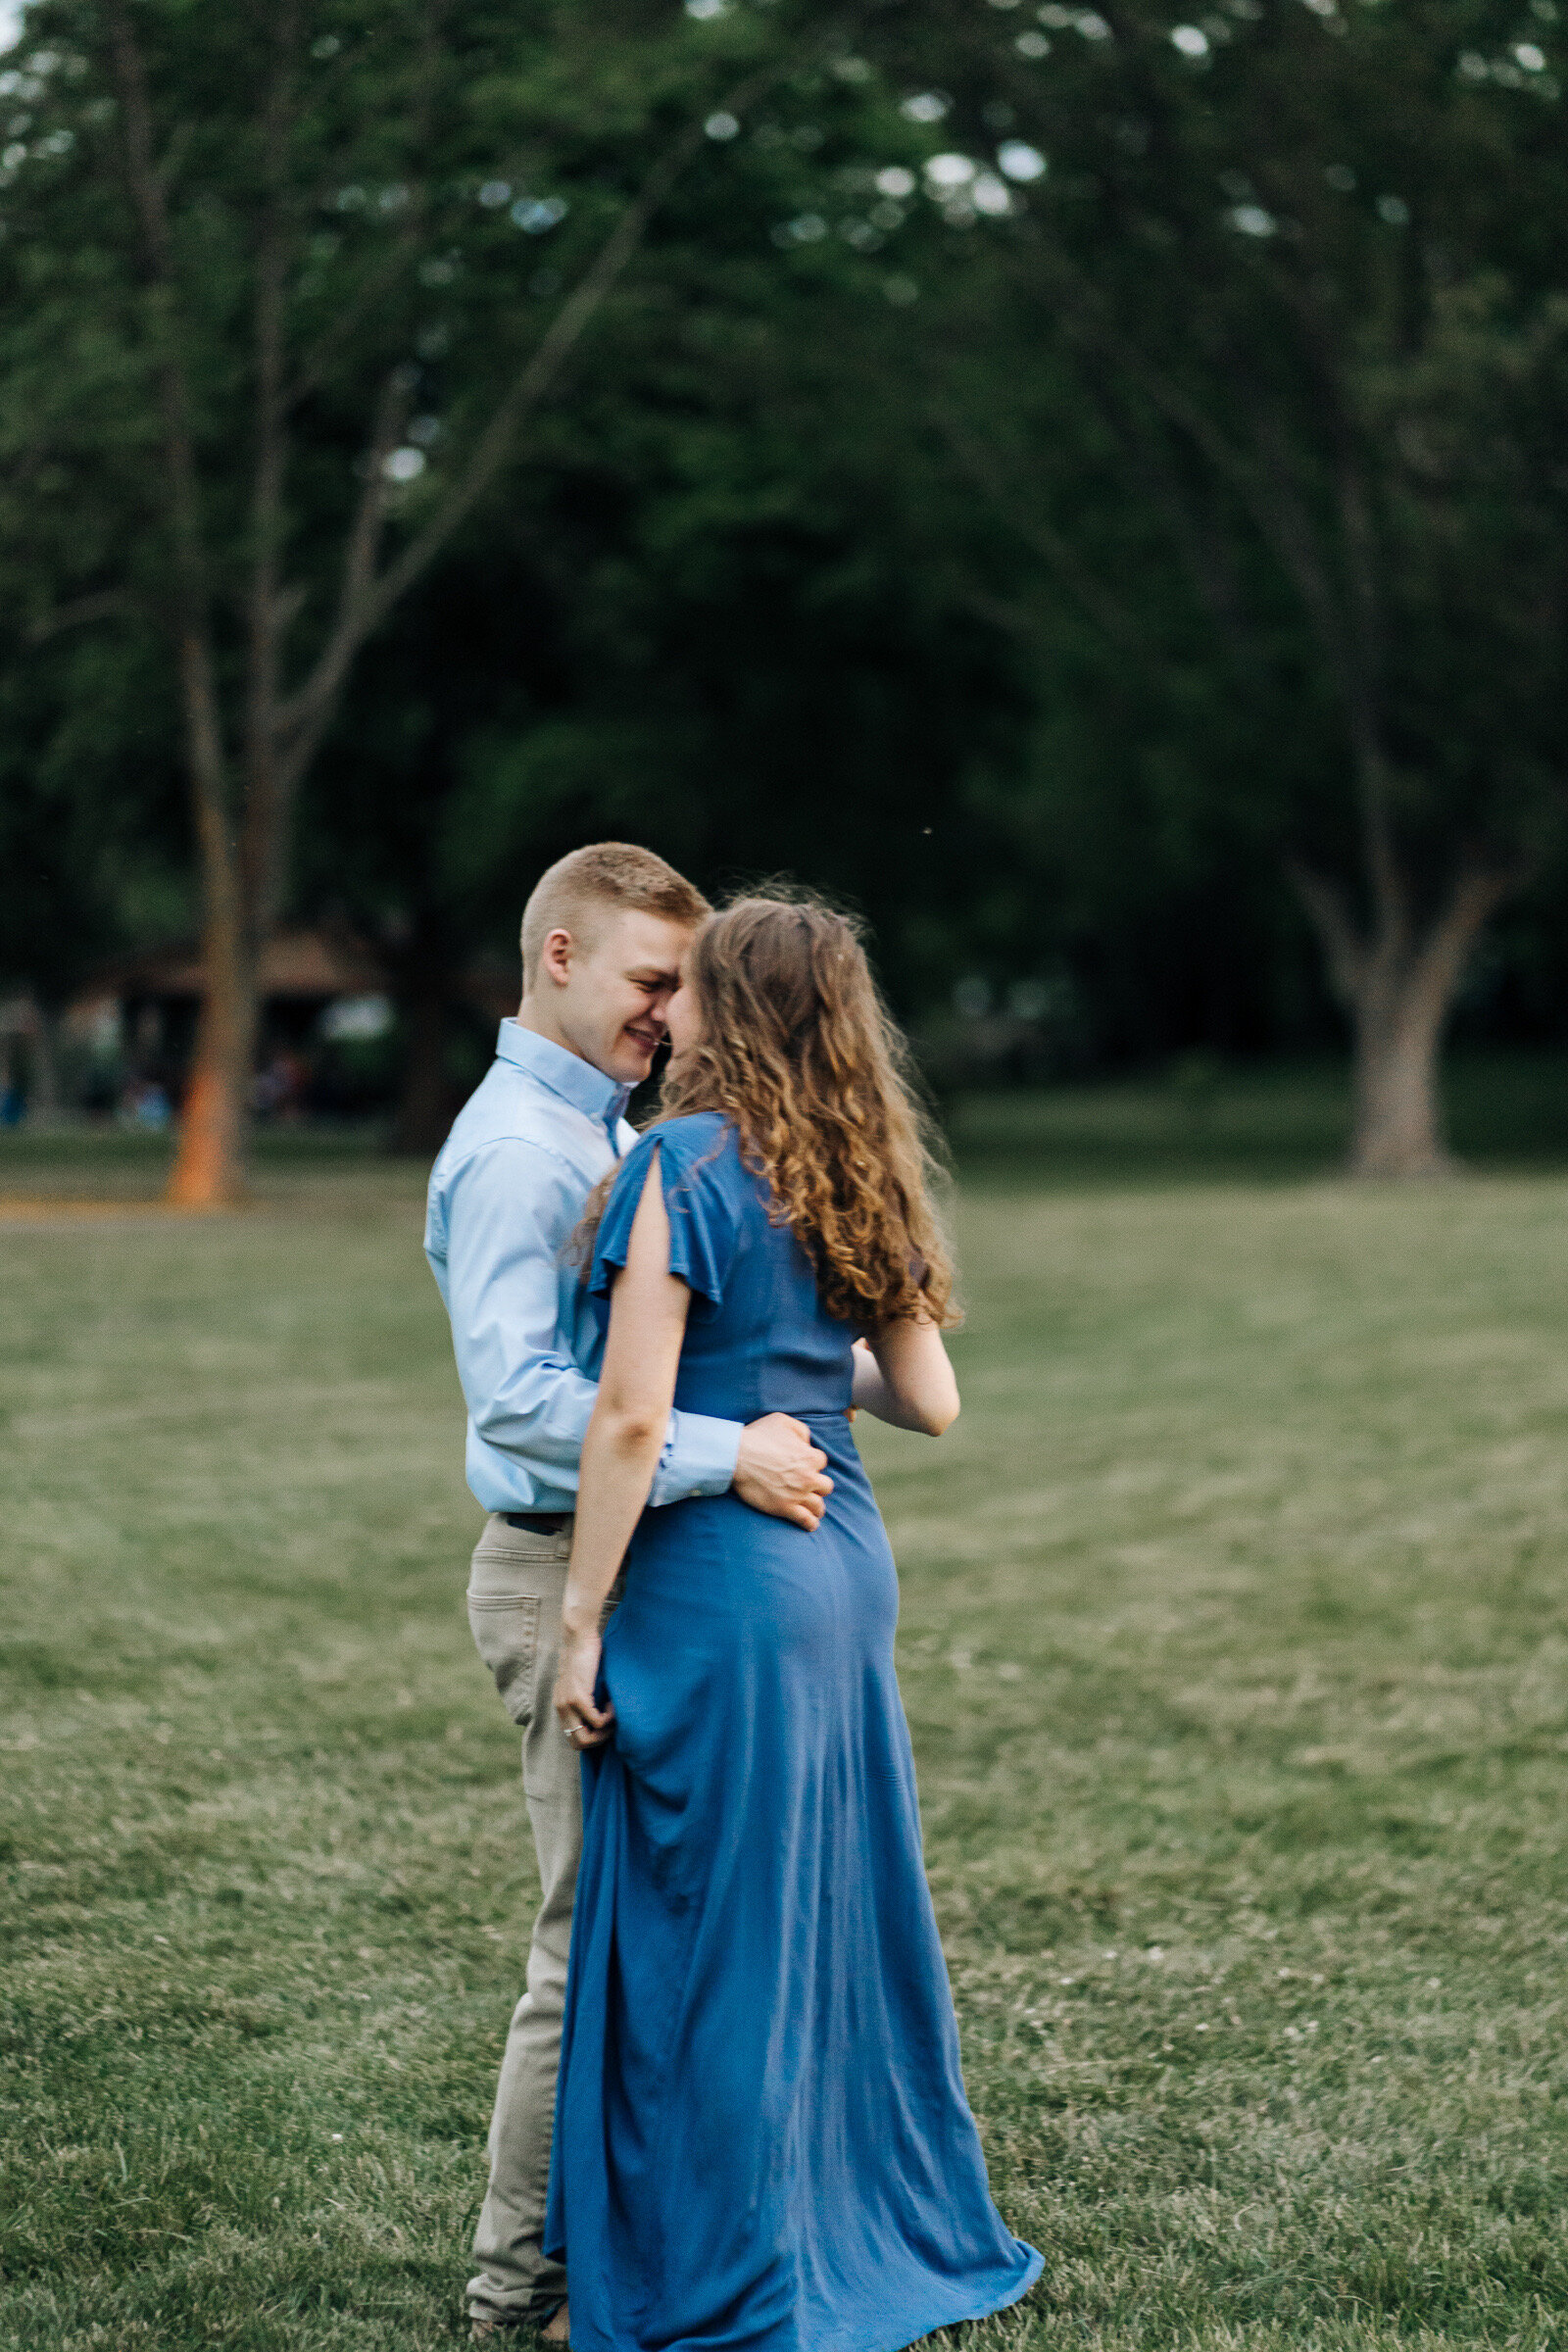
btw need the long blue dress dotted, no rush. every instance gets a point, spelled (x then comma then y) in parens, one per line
(762, 2135)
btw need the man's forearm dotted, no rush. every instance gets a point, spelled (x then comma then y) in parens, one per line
(541, 1418)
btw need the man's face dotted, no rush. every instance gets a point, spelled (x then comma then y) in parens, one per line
(609, 996)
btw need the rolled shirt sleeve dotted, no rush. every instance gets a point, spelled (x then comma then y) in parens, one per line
(699, 1458)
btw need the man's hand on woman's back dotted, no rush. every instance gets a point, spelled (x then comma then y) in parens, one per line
(779, 1472)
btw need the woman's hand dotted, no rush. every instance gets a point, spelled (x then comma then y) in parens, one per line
(583, 1723)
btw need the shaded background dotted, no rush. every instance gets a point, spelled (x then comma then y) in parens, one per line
(1020, 454)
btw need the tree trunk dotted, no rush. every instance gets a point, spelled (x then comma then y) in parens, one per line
(1398, 986)
(209, 1168)
(208, 1171)
(1399, 1120)
(210, 1163)
(45, 1100)
(423, 1113)
(243, 834)
(423, 985)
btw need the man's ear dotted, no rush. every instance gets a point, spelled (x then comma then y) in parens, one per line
(555, 956)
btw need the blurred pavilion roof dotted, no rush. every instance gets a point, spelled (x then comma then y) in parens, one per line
(301, 964)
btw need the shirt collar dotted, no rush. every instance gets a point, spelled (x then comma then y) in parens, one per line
(577, 1081)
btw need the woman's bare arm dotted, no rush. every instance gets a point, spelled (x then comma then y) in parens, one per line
(648, 1309)
(902, 1375)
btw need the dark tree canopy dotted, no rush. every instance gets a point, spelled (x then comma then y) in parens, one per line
(1085, 484)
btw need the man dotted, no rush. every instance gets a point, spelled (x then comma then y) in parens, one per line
(603, 937)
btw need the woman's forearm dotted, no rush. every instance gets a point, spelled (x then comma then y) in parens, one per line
(904, 1376)
(619, 1456)
(873, 1395)
(872, 1392)
(621, 1453)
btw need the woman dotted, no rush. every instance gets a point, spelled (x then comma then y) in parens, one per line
(761, 2136)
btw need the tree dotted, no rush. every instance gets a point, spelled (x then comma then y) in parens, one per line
(713, 617)
(1292, 259)
(710, 612)
(280, 250)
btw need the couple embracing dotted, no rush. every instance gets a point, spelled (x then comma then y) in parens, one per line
(737, 2118)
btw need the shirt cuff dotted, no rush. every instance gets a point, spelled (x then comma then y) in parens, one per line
(698, 1458)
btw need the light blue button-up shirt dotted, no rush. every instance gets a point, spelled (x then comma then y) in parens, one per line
(506, 1195)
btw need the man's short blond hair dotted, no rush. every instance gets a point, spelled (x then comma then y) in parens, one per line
(588, 882)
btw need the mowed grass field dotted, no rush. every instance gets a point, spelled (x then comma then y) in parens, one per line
(1235, 1645)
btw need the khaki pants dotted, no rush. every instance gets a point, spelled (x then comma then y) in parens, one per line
(515, 1590)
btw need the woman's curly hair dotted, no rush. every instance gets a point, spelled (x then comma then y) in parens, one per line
(800, 1054)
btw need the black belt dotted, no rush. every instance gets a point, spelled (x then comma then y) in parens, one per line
(538, 1523)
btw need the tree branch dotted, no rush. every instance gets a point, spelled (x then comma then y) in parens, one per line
(1054, 551)
(261, 840)
(105, 604)
(1358, 629)
(314, 366)
(144, 188)
(1264, 481)
(1479, 891)
(406, 242)
(298, 712)
(1344, 948)
(1265, 488)
(310, 709)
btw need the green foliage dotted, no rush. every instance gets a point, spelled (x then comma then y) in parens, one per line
(1284, 348)
(91, 821)
(1020, 555)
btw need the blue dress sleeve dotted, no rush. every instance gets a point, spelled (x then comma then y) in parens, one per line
(703, 1224)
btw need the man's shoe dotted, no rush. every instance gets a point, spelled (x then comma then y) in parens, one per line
(487, 2325)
